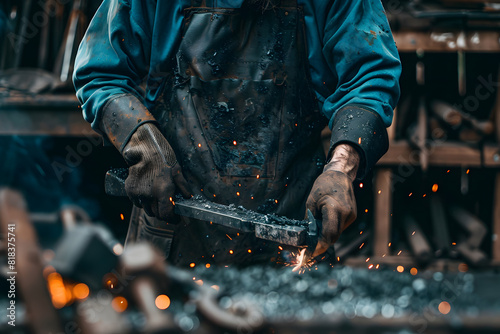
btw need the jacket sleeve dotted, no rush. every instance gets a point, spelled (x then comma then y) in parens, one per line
(361, 52)
(113, 61)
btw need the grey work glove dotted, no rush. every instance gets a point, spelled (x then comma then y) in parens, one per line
(332, 196)
(154, 174)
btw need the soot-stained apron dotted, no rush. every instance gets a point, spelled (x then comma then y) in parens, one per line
(242, 119)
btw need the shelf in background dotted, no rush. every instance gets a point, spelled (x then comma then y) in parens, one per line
(447, 154)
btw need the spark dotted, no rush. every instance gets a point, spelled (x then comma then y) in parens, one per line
(192, 265)
(384, 255)
(235, 143)
(359, 140)
(249, 251)
(377, 266)
(276, 201)
(444, 307)
(258, 176)
(410, 194)
(424, 195)
(361, 245)
(118, 249)
(400, 269)
(122, 217)
(360, 232)
(399, 253)
(199, 145)
(338, 258)
(453, 243)
(119, 304)
(370, 266)
(380, 191)
(231, 251)
(81, 291)
(162, 302)
(467, 172)
(280, 248)
(302, 263)
(237, 193)
(227, 235)
(448, 171)
(366, 211)
(389, 244)
(435, 187)
(207, 265)
(413, 233)
(368, 259)
(361, 185)
(413, 271)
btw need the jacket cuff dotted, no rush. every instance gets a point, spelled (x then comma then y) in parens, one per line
(363, 129)
(121, 116)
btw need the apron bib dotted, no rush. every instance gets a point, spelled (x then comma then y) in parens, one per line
(241, 116)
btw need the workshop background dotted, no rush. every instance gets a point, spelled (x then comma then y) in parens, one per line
(423, 255)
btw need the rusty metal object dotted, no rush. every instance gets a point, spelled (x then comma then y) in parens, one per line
(32, 286)
(440, 227)
(447, 113)
(476, 231)
(419, 244)
(241, 316)
(142, 261)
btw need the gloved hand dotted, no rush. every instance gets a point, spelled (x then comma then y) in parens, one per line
(332, 196)
(154, 172)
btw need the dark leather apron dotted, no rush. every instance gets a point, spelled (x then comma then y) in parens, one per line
(242, 118)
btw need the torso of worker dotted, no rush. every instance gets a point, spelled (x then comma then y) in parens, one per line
(241, 94)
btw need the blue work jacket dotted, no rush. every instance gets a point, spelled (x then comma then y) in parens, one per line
(353, 60)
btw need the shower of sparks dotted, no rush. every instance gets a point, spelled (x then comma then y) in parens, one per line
(301, 262)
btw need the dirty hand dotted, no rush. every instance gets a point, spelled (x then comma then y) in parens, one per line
(154, 172)
(332, 196)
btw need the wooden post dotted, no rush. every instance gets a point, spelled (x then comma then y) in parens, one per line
(496, 220)
(383, 206)
(496, 197)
